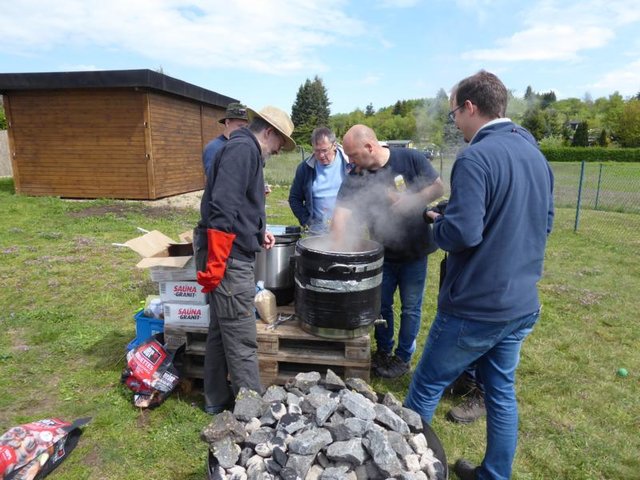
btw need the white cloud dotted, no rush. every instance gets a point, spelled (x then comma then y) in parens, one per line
(625, 80)
(558, 30)
(552, 42)
(397, 3)
(275, 36)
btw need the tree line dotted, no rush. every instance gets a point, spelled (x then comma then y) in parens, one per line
(611, 121)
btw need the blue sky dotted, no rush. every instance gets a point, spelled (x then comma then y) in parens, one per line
(375, 51)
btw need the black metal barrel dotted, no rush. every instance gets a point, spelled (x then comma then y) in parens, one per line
(337, 293)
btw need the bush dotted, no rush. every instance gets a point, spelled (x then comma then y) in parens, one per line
(590, 154)
(552, 142)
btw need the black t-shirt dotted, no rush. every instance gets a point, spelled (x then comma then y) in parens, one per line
(366, 194)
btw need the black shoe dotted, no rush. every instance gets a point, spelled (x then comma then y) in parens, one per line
(380, 359)
(394, 369)
(462, 386)
(464, 469)
(216, 409)
(470, 410)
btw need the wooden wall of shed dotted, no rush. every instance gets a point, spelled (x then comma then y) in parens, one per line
(79, 143)
(211, 128)
(176, 145)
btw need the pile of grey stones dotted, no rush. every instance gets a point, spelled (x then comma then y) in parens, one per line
(319, 429)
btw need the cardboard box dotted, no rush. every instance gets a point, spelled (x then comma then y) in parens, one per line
(182, 292)
(154, 248)
(174, 274)
(186, 314)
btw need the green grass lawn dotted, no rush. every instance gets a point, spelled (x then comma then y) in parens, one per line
(67, 298)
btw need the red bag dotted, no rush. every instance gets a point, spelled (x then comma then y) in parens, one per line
(150, 374)
(33, 450)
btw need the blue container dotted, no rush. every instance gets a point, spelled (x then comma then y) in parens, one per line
(145, 329)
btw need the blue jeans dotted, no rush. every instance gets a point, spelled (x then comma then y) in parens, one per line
(409, 277)
(454, 344)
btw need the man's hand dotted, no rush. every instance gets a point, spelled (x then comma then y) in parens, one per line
(408, 204)
(269, 240)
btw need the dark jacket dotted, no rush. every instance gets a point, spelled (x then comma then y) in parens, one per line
(233, 199)
(301, 193)
(364, 193)
(495, 226)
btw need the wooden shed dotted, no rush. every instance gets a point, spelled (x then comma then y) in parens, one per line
(129, 134)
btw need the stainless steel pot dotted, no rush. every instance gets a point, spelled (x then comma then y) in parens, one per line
(274, 266)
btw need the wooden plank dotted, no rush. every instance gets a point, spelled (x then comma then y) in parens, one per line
(285, 351)
(148, 147)
(12, 145)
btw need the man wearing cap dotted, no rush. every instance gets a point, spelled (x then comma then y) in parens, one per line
(230, 232)
(234, 118)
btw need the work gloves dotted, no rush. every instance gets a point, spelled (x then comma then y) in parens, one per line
(218, 250)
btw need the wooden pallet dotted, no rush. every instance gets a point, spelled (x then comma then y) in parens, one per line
(287, 350)
(283, 352)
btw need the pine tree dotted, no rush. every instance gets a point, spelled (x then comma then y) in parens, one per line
(310, 110)
(369, 111)
(603, 139)
(581, 137)
(528, 94)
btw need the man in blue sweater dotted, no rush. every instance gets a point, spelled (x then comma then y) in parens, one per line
(495, 229)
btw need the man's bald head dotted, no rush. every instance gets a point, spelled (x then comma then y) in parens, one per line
(360, 134)
(362, 147)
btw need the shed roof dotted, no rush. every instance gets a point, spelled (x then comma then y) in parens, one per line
(111, 79)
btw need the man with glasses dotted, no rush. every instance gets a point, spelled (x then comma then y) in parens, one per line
(312, 197)
(230, 232)
(495, 230)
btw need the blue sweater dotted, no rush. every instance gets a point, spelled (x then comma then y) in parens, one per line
(495, 226)
(301, 193)
(233, 199)
(210, 151)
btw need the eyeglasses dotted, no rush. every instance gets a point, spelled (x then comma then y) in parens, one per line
(452, 113)
(323, 151)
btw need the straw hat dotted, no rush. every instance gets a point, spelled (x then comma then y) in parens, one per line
(278, 120)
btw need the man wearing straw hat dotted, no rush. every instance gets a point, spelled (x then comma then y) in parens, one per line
(230, 232)
(234, 118)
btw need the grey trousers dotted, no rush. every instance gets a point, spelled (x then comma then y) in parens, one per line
(232, 347)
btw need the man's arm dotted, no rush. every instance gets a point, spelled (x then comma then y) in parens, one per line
(340, 227)
(232, 179)
(415, 203)
(296, 196)
(462, 226)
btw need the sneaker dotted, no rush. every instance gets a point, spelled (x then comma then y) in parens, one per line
(470, 410)
(380, 359)
(396, 367)
(464, 469)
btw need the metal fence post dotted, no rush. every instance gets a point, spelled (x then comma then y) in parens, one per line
(578, 204)
(598, 189)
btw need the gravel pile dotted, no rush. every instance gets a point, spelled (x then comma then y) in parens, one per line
(319, 429)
